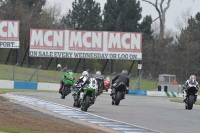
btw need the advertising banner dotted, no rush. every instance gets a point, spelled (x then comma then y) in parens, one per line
(85, 44)
(9, 34)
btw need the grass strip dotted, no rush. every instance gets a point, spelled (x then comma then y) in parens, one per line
(12, 130)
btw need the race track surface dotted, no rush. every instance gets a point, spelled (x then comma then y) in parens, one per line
(156, 113)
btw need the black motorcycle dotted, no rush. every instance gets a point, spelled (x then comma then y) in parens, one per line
(100, 83)
(190, 97)
(65, 90)
(119, 93)
(76, 96)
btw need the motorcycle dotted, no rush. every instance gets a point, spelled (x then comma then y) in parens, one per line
(190, 97)
(65, 90)
(118, 93)
(106, 84)
(76, 96)
(87, 97)
(100, 86)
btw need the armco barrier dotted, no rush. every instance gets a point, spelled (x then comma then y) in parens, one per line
(25, 85)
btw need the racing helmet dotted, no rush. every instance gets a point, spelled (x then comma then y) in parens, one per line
(85, 73)
(69, 71)
(107, 78)
(98, 73)
(192, 77)
(125, 72)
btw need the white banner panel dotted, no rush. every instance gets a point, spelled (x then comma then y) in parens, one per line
(85, 44)
(9, 34)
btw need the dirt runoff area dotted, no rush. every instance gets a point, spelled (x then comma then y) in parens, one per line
(19, 117)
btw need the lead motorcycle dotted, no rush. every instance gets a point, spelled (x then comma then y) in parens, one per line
(119, 93)
(191, 95)
(87, 96)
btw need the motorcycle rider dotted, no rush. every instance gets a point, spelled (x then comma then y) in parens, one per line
(99, 79)
(84, 79)
(68, 77)
(81, 81)
(106, 83)
(186, 86)
(121, 77)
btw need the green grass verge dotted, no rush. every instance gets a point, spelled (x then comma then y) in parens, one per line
(50, 76)
(12, 130)
(181, 101)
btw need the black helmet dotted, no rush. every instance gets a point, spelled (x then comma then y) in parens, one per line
(125, 72)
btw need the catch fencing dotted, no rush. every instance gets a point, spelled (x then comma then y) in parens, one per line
(37, 73)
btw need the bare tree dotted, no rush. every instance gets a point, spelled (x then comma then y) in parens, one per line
(162, 14)
(54, 12)
(182, 21)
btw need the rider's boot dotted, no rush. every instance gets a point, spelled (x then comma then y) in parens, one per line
(93, 99)
(123, 96)
(195, 99)
(184, 99)
(60, 89)
(112, 91)
(184, 96)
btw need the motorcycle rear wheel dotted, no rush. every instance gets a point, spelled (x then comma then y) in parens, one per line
(118, 98)
(190, 102)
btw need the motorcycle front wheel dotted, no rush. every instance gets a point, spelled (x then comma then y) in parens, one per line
(87, 103)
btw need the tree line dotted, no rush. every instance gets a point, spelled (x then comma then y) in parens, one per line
(163, 51)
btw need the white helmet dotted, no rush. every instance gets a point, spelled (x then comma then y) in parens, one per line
(107, 78)
(98, 73)
(85, 73)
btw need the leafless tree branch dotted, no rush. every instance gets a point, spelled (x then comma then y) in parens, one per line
(168, 4)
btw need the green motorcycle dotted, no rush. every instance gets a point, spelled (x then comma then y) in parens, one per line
(66, 89)
(87, 96)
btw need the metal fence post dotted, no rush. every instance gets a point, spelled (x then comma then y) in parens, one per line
(34, 73)
(38, 70)
(14, 71)
(61, 71)
(111, 76)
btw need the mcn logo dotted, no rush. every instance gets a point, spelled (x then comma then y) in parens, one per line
(9, 30)
(85, 41)
(47, 39)
(124, 42)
